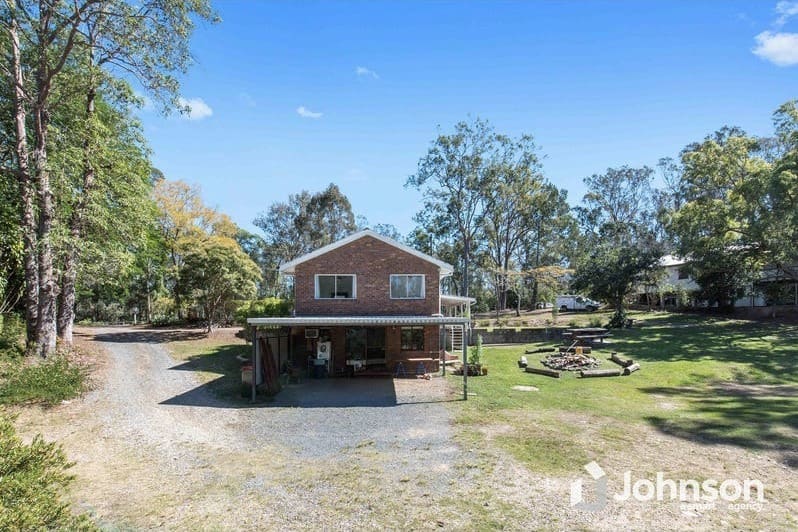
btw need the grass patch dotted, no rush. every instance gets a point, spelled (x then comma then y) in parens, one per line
(48, 382)
(549, 453)
(709, 380)
(214, 361)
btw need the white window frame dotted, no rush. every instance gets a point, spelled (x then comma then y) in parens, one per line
(423, 285)
(316, 286)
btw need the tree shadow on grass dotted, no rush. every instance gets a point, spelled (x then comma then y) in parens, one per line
(771, 350)
(223, 391)
(150, 336)
(733, 416)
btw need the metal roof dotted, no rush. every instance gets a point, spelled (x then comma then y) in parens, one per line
(288, 267)
(321, 321)
(457, 300)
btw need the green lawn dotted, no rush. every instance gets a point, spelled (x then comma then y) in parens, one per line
(702, 379)
(213, 359)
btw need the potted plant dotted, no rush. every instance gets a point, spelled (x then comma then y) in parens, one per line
(475, 358)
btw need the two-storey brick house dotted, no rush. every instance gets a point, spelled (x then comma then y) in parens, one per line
(365, 304)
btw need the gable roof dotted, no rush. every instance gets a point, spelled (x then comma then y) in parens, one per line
(288, 267)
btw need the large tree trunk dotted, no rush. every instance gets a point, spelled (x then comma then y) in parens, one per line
(466, 260)
(48, 289)
(26, 192)
(66, 310)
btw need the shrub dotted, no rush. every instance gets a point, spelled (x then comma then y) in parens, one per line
(48, 382)
(475, 355)
(33, 482)
(618, 320)
(260, 308)
(12, 335)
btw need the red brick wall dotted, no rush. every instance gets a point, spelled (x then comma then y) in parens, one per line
(373, 262)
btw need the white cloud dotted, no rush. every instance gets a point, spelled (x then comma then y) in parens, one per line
(362, 71)
(247, 99)
(779, 48)
(197, 108)
(786, 11)
(304, 112)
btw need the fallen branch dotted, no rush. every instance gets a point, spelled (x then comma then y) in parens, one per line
(621, 362)
(600, 373)
(546, 372)
(631, 369)
(540, 350)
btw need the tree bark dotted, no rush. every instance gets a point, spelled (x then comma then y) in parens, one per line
(48, 288)
(26, 191)
(466, 261)
(66, 310)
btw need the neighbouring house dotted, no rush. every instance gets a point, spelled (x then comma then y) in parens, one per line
(675, 287)
(366, 304)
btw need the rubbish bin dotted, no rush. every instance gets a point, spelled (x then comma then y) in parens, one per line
(246, 374)
(246, 380)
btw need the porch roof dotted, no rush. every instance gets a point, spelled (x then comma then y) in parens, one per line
(450, 300)
(359, 321)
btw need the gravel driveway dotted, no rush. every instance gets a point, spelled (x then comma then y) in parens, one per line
(153, 448)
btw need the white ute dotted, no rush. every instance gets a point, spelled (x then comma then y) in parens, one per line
(574, 302)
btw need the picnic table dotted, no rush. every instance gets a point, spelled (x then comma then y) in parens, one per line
(586, 335)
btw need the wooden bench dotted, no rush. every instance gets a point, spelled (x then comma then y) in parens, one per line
(589, 338)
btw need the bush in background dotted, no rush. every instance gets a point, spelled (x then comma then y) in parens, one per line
(12, 336)
(261, 308)
(33, 482)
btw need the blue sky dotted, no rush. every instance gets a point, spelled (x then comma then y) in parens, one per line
(294, 95)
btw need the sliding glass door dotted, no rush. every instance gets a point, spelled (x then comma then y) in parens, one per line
(365, 343)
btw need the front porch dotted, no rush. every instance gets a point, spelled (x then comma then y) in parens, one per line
(349, 346)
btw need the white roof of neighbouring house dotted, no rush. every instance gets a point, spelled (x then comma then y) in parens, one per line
(288, 267)
(671, 260)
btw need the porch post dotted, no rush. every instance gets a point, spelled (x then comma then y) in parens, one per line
(443, 355)
(465, 365)
(254, 359)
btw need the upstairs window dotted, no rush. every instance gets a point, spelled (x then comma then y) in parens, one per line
(336, 287)
(407, 286)
(683, 274)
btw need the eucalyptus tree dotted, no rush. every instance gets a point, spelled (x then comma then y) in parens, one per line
(616, 218)
(146, 41)
(452, 177)
(307, 222)
(551, 242)
(514, 182)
